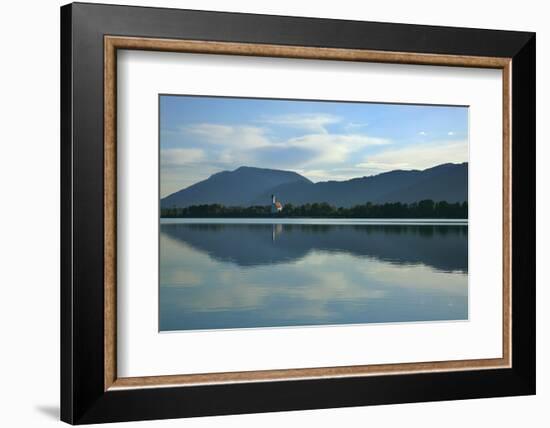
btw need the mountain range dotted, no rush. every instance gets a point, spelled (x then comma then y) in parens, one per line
(248, 186)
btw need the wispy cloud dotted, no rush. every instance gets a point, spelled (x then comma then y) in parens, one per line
(338, 174)
(352, 126)
(334, 148)
(239, 135)
(232, 144)
(179, 156)
(312, 122)
(417, 157)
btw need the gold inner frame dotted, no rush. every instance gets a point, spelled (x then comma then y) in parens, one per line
(113, 43)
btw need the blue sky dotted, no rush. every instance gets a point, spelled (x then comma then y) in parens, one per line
(321, 140)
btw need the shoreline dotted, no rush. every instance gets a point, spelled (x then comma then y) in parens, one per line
(318, 221)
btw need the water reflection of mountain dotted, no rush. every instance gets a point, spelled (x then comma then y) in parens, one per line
(442, 247)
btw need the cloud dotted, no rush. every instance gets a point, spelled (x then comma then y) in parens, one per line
(338, 174)
(312, 122)
(234, 145)
(450, 133)
(284, 156)
(423, 133)
(320, 156)
(180, 156)
(334, 148)
(417, 157)
(355, 126)
(241, 136)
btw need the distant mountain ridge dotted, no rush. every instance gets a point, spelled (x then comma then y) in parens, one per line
(232, 188)
(247, 186)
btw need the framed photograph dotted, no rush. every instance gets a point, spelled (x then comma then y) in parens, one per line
(265, 213)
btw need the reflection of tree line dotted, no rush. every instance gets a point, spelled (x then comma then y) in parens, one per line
(423, 209)
(442, 247)
(424, 230)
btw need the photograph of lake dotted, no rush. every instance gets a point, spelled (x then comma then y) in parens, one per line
(294, 213)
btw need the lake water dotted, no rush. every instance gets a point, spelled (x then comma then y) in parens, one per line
(234, 273)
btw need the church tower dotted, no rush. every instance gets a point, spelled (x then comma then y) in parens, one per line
(275, 206)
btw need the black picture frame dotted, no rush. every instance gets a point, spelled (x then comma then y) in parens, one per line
(83, 398)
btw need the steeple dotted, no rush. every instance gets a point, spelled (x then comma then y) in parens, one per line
(275, 206)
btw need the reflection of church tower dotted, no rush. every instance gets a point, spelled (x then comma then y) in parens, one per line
(275, 205)
(276, 230)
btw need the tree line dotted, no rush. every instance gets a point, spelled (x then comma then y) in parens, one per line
(422, 209)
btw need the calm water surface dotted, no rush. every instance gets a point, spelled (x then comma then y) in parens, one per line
(220, 273)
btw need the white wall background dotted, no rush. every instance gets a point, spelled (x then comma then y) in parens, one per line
(29, 234)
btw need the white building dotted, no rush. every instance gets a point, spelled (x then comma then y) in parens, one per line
(276, 206)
